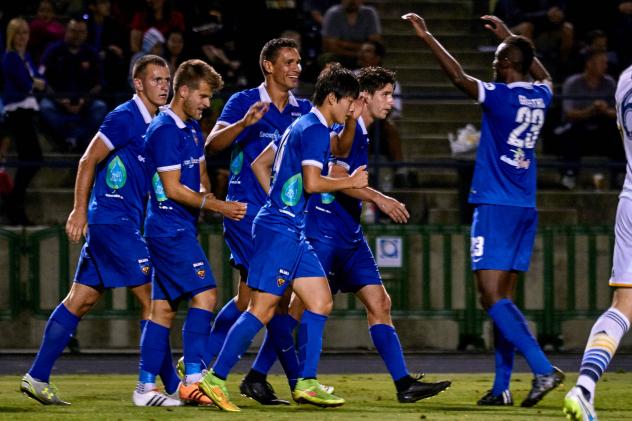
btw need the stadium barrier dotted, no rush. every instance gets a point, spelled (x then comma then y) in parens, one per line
(425, 268)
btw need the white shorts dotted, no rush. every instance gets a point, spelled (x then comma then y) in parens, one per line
(622, 260)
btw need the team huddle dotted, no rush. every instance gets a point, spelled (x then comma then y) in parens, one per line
(298, 177)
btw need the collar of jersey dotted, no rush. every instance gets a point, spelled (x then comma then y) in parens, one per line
(362, 126)
(265, 97)
(178, 120)
(320, 116)
(143, 110)
(527, 85)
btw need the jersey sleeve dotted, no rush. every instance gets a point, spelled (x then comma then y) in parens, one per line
(490, 95)
(164, 149)
(115, 129)
(233, 111)
(355, 158)
(547, 94)
(315, 146)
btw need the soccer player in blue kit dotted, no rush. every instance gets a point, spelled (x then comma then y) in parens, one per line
(503, 191)
(281, 255)
(112, 175)
(332, 226)
(174, 147)
(250, 120)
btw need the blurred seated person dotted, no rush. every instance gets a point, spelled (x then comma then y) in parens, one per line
(594, 40)
(371, 53)
(109, 39)
(545, 23)
(345, 27)
(590, 118)
(158, 14)
(622, 29)
(174, 51)
(45, 29)
(72, 69)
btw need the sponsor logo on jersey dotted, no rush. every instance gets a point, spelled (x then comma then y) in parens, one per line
(159, 190)
(292, 190)
(327, 198)
(272, 136)
(236, 160)
(116, 175)
(191, 162)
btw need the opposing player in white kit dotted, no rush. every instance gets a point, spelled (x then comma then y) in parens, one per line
(614, 323)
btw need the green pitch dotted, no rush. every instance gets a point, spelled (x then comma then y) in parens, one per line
(369, 397)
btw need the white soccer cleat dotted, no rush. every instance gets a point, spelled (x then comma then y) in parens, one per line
(154, 398)
(577, 407)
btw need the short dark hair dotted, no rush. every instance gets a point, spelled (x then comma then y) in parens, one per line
(191, 72)
(270, 50)
(140, 65)
(519, 52)
(589, 53)
(380, 50)
(337, 80)
(374, 78)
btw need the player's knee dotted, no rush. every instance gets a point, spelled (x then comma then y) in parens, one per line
(322, 305)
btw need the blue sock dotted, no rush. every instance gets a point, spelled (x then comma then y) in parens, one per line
(60, 327)
(238, 340)
(513, 326)
(195, 333)
(225, 319)
(167, 372)
(310, 343)
(266, 356)
(153, 347)
(504, 351)
(388, 346)
(280, 338)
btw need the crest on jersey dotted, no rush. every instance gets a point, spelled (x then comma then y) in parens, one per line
(292, 190)
(159, 190)
(116, 175)
(144, 266)
(236, 160)
(280, 282)
(199, 269)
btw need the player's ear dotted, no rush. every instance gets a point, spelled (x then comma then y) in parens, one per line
(138, 85)
(331, 98)
(183, 91)
(267, 66)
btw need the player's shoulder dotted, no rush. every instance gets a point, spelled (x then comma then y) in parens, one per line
(246, 97)
(304, 105)
(123, 110)
(624, 85)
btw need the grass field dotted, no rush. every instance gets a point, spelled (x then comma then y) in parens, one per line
(369, 397)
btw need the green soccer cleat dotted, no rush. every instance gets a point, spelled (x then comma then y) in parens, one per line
(215, 389)
(180, 368)
(44, 393)
(577, 407)
(312, 392)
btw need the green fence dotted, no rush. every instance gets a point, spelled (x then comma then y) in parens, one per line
(431, 277)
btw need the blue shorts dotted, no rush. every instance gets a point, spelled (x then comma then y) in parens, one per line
(181, 269)
(278, 259)
(113, 256)
(348, 269)
(502, 237)
(238, 237)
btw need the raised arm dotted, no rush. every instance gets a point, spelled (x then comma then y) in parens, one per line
(222, 136)
(315, 182)
(450, 66)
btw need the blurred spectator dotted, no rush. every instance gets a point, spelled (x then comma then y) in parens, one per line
(45, 29)
(314, 11)
(389, 146)
(594, 40)
(20, 113)
(544, 22)
(153, 42)
(622, 27)
(71, 68)
(345, 27)
(590, 117)
(109, 39)
(174, 52)
(158, 14)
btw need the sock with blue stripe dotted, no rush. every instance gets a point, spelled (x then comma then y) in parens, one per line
(310, 343)
(60, 327)
(195, 333)
(238, 340)
(167, 372)
(504, 353)
(153, 347)
(514, 328)
(388, 346)
(225, 319)
(602, 344)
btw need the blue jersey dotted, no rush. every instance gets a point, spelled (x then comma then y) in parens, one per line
(505, 170)
(172, 144)
(243, 185)
(120, 181)
(306, 142)
(335, 217)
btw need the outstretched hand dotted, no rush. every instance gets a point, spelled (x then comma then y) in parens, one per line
(497, 26)
(418, 24)
(255, 113)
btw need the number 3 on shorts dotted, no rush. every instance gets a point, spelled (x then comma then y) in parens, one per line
(477, 246)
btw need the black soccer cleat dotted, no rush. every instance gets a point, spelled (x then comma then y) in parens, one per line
(489, 399)
(262, 392)
(541, 385)
(421, 390)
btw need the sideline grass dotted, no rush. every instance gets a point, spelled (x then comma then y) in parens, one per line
(369, 397)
